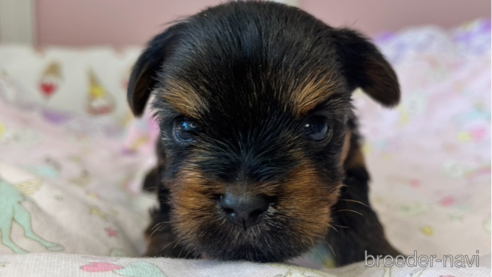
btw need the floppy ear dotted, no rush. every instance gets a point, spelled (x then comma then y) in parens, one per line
(365, 67)
(145, 72)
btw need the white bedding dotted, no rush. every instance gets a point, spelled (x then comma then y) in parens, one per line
(70, 183)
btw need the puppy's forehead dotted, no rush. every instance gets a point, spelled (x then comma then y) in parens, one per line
(297, 96)
(250, 65)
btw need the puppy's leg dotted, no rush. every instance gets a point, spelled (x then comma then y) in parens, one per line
(358, 226)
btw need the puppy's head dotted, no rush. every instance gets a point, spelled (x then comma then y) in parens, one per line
(253, 102)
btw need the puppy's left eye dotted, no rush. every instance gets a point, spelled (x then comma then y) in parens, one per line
(185, 130)
(317, 129)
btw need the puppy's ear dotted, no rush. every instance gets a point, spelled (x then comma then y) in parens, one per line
(145, 72)
(365, 67)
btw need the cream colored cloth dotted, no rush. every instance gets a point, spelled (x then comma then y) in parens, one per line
(62, 265)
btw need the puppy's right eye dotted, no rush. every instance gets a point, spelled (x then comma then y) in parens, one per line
(317, 129)
(185, 130)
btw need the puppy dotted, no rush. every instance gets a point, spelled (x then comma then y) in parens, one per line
(259, 155)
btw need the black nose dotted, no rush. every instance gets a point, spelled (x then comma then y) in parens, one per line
(244, 210)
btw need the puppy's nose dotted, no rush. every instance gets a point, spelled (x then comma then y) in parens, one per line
(244, 210)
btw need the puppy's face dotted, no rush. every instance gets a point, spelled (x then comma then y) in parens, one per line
(252, 162)
(253, 101)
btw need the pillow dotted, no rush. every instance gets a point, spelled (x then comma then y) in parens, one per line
(88, 81)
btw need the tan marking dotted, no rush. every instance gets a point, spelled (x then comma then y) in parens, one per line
(355, 158)
(312, 92)
(346, 146)
(301, 193)
(183, 97)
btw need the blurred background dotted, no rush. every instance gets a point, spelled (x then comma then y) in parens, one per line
(131, 22)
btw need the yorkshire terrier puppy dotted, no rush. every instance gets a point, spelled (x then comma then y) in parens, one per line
(259, 154)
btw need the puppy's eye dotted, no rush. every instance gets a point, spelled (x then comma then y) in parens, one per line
(317, 129)
(185, 130)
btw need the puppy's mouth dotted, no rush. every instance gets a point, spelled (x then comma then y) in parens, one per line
(268, 237)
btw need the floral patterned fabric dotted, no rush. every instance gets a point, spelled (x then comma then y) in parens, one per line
(430, 157)
(70, 198)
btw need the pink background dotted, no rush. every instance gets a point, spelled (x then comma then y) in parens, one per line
(132, 22)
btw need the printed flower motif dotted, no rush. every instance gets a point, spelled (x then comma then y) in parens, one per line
(100, 267)
(447, 201)
(478, 133)
(55, 117)
(135, 269)
(486, 225)
(412, 209)
(111, 232)
(426, 230)
(83, 179)
(2, 129)
(97, 212)
(483, 170)
(464, 137)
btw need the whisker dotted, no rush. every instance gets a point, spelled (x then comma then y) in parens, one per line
(332, 251)
(348, 210)
(159, 224)
(187, 254)
(355, 201)
(153, 232)
(333, 228)
(312, 242)
(179, 255)
(157, 227)
(167, 245)
(176, 244)
(344, 186)
(222, 222)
